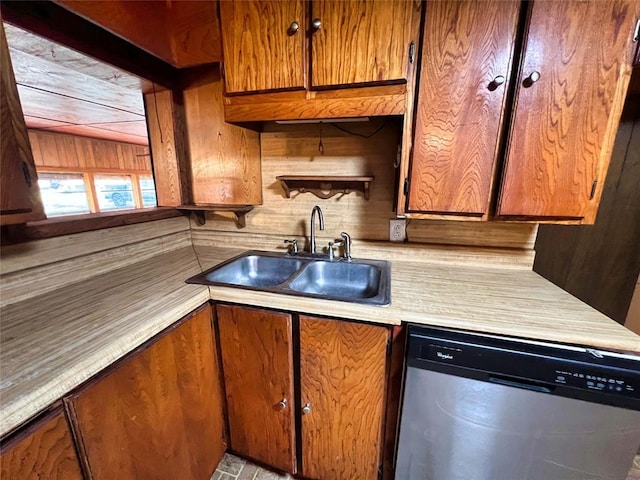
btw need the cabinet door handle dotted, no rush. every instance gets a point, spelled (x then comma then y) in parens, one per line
(531, 79)
(26, 173)
(306, 409)
(282, 404)
(316, 24)
(293, 28)
(636, 32)
(496, 82)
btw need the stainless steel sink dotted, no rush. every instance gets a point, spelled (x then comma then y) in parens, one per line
(359, 281)
(338, 279)
(255, 271)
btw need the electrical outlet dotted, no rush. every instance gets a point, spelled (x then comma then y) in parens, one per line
(398, 230)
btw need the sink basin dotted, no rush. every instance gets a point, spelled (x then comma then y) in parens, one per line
(359, 281)
(255, 271)
(338, 279)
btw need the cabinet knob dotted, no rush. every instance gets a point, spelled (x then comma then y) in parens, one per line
(496, 82)
(293, 28)
(282, 404)
(531, 79)
(306, 409)
(316, 24)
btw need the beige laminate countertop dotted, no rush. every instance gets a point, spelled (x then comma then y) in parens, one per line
(52, 343)
(514, 302)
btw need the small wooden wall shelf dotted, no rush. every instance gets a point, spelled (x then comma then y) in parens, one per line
(325, 186)
(238, 210)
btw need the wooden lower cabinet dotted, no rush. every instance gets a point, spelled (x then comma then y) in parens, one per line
(257, 358)
(158, 414)
(343, 385)
(45, 450)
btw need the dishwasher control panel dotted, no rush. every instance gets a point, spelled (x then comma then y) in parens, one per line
(576, 372)
(594, 381)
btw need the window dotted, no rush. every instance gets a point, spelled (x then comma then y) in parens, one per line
(63, 193)
(115, 192)
(148, 189)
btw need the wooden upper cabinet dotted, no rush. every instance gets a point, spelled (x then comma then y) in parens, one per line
(224, 159)
(159, 414)
(45, 451)
(257, 356)
(467, 52)
(343, 387)
(263, 49)
(19, 193)
(569, 96)
(362, 41)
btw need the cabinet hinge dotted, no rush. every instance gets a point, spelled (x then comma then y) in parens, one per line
(593, 189)
(380, 472)
(412, 52)
(406, 186)
(389, 345)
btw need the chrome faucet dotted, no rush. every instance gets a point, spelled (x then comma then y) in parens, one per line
(316, 210)
(346, 240)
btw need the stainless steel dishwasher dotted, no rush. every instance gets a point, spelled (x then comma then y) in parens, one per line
(483, 407)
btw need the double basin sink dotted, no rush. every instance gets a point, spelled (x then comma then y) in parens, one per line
(358, 281)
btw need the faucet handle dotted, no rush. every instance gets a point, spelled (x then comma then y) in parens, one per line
(346, 238)
(331, 247)
(293, 248)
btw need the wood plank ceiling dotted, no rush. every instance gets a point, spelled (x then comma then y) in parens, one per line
(64, 91)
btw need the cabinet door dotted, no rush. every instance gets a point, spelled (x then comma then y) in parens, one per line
(342, 379)
(467, 51)
(19, 193)
(257, 357)
(47, 451)
(362, 41)
(261, 49)
(571, 89)
(158, 415)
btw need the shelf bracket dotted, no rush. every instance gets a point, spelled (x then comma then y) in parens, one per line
(239, 212)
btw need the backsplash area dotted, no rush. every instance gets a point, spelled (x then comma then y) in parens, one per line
(295, 150)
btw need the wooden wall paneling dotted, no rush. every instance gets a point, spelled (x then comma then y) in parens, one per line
(158, 414)
(194, 30)
(343, 379)
(363, 42)
(52, 21)
(293, 150)
(50, 52)
(74, 153)
(466, 46)
(632, 321)
(224, 159)
(599, 264)
(167, 138)
(260, 51)
(183, 33)
(257, 358)
(45, 451)
(123, 19)
(48, 75)
(19, 196)
(554, 157)
(70, 109)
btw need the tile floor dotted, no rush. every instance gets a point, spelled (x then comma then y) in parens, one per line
(235, 468)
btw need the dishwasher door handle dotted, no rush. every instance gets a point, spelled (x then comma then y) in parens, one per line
(509, 382)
